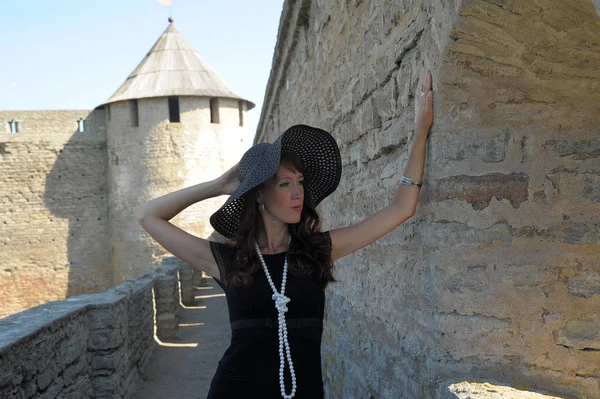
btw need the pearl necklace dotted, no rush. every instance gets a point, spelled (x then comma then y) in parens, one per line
(281, 302)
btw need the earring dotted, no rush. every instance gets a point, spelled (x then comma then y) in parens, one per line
(261, 207)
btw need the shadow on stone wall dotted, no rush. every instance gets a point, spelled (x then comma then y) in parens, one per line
(76, 190)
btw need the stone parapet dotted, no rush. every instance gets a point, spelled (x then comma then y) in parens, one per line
(94, 345)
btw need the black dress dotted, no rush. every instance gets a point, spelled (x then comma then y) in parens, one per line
(250, 366)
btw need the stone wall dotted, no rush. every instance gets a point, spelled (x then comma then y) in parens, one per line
(53, 208)
(497, 276)
(95, 345)
(62, 186)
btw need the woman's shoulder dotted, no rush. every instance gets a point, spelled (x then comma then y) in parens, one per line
(324, 235)
(224, 253)
(223, 248)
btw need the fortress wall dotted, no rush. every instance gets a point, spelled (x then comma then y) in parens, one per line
(53, 208)
(497, 276)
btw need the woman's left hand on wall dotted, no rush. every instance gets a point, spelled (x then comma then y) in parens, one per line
(424, 117)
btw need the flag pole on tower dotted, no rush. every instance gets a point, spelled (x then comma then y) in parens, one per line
(167, 3)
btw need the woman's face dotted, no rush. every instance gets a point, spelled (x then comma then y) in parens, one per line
(283, 195)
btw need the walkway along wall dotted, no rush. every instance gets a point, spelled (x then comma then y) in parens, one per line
(94, 345)
(497, 276)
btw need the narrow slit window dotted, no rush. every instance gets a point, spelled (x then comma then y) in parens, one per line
(214, 110)
(241, 112)
(108, 111)
(14, 126)
(133, 110)
(81, 125)
(174, 109)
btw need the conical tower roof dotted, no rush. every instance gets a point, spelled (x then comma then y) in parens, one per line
(173, 67)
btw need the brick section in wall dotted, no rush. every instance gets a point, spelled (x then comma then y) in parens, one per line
(479, 190)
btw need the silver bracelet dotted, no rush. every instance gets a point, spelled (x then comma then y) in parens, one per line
(410, 182)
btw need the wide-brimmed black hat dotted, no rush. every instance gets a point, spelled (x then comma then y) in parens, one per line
(322, 169)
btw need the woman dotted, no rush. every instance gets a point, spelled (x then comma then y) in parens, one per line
(275, 273)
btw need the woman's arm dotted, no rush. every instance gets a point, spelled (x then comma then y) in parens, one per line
(155, 214)
(349, 239)
(170, 205)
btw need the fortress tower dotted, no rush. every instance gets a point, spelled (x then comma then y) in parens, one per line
(71, 178)
(172, 124)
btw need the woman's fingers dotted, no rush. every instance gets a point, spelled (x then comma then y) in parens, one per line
(424, 117)
(428, 81)
(429, 96)
(428, 86)
(428, 91)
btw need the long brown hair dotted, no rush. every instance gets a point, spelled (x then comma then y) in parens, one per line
(309, 252)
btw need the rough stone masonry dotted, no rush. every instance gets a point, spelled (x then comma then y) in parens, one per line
(496, 279)
(66, 207)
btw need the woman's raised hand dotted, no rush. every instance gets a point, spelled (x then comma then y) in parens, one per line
(424, 117)
(229, 180)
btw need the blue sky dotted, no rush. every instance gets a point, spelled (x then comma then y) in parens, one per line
(74, 54)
